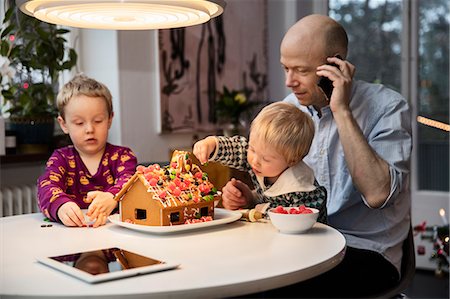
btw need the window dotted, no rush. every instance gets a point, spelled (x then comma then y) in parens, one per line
(374, 31)
(140, 214)
(377, 35)
(174, 217)
(433, 95)
(405, 45)
(204, 211)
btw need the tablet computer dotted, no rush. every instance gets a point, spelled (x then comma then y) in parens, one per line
(105, 264)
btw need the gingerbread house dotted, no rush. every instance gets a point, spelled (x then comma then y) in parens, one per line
(178, 193)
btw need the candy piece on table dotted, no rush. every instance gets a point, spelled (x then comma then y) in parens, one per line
(256, 214)
(251, 215)
(262, 207)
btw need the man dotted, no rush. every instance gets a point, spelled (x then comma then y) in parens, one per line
(360, 153)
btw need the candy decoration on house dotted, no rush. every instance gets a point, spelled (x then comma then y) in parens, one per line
(179, 193)
(439, 236)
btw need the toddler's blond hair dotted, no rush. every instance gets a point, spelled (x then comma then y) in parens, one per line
(83, 85)
(286, 128)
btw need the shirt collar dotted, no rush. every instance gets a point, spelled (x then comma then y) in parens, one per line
(297, 178)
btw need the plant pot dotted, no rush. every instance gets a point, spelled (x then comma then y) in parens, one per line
(230, 130)
(34, 135)
(239, 127)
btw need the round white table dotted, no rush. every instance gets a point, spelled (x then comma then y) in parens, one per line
(221, 261)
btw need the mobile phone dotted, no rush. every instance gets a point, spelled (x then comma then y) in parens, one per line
(325, 83)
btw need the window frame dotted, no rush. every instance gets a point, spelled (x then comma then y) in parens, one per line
(425, 203)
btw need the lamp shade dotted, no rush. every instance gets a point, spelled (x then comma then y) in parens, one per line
(123, 14)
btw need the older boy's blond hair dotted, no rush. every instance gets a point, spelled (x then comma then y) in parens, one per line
(286, 128)
(83, 85)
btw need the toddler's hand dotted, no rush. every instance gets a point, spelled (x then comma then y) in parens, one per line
(102, 204)
(203, 148)
(236, 194)
(70, 214)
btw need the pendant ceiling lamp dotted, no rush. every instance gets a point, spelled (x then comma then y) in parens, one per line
(123, 14)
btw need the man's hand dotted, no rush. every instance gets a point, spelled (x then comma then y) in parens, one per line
(70, 214)
(369, 172)
(236, 194)
(341, 77)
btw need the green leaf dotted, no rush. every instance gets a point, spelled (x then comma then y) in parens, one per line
(4, 48)
(42, 33)
(7, 94)
(8, 14)
(38, 54)
(62, 31)
(7, 30)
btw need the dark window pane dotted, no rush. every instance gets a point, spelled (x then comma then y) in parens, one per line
(374, 30)
(433, 93)
(375, 34)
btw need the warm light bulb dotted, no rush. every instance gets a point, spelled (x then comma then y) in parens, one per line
(444, 219)
(123, 14)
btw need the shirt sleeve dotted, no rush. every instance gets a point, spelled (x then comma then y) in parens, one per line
(123, 168)
(232, 152)
(391, 139)
(51, 186)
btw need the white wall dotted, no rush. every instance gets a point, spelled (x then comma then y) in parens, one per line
(98, 58)
(139, 93)
(280, 18)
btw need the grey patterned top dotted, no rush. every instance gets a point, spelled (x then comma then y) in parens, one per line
(232, 152)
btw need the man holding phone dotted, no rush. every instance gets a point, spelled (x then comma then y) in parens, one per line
(360, 153)
(326, 84)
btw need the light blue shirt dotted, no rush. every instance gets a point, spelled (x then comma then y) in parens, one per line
(384, 118)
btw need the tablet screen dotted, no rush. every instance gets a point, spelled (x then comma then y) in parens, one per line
(105, 260)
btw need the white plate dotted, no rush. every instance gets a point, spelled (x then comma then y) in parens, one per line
(221, 216)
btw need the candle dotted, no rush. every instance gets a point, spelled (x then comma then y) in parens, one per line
(444, 219)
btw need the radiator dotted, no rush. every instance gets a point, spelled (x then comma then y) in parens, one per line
(17, 200)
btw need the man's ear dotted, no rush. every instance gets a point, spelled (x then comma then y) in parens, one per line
(62, 124)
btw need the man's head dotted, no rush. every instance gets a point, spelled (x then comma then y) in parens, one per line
(305, 46)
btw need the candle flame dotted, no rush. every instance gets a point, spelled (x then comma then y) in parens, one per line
(442, 212)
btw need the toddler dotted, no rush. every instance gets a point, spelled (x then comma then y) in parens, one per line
(90, 172)
(280, 136)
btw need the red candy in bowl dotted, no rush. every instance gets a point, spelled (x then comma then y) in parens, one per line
(293, 220)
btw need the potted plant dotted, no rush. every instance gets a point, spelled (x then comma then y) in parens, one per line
(33, 55)
(233, 108)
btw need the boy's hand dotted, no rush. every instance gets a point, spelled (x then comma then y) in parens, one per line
(203, 148)
(236, 194)
(70, 214)
(102, 204)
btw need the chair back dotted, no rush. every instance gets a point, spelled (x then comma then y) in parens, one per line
(408, 269)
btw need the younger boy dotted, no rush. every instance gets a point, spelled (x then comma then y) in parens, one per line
(90, 172)
(280, 136)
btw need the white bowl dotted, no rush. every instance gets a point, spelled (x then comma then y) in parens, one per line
(293, 223)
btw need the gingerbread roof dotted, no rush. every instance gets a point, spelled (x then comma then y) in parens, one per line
(179, 183)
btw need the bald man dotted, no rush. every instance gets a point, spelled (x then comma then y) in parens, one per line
(360, 153)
